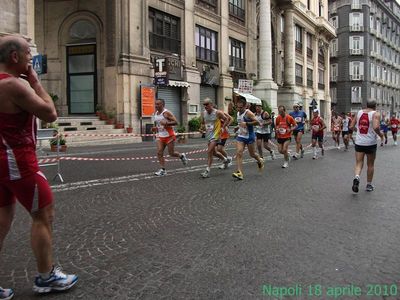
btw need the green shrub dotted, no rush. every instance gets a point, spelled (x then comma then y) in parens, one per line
(194, 124)
(180, 129)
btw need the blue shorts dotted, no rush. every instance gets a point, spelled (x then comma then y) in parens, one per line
(248, 141)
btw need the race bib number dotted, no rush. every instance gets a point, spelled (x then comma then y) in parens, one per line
(209, 127)
(394, 126)
(282, 130)
(243, 131)
(298, 119)
(336, 128)
(315, 127)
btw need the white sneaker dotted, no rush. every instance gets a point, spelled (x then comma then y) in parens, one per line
(230, 161)
(160, 172)
(205, 174)
(184, 159)
(222, 166)
(6, 294)
(395, 143)
(285, 165)
(58, 281)
(273, 156)
(338, 147)
(314, 157)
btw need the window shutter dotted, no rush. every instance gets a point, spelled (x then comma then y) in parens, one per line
(351, 19)
(351, 68)
(351, 45)
(361, 42)
(362, 68)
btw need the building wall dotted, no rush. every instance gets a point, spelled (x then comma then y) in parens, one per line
(344, 85)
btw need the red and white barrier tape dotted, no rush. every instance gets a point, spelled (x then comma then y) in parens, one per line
(122, 134)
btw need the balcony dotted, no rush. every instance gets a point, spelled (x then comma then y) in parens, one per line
(321, 86)
(333, 53)
(356, 27)
(356, 51)
(356, 77)
(333, 78)
(238, 63)
(206, 54)
(372, 31)
(356, 6)
(355, 100)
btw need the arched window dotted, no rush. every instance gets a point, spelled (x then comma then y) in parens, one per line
(82, 30)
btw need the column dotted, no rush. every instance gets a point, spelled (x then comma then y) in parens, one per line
(225, 80)
(304, 60)
(290, 55)
(265, 41)
(266, 89)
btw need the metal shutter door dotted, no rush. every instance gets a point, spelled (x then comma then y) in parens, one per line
(208, 91)
(172, 98)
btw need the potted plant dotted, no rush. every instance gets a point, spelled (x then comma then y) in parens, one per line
(60, 141)
(119, 125)
(181, 137)
(99, 109)
(129, 129)
(111, 118)
(194, 126)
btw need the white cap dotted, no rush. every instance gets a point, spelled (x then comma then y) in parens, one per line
(316, 110)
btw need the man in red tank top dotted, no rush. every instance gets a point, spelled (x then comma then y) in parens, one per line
(368, 128)
(20, 177)
(394, 127)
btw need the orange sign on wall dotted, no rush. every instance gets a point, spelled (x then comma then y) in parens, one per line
(148, 96)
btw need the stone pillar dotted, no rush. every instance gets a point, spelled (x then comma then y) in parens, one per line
(290, 54)
(316, 69)
(326, 74)
(225, 82)
(30, 20)
(191, 74)
(266, 88)
(304, 61)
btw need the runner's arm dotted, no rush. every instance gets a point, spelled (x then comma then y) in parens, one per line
(171, 120)
(376, 125)
(252, 117)
(323, 125)
(353, 123)
(202, 128)
(34, 100)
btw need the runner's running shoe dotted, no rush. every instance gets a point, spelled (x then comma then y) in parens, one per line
(184, 159)
(260, 165)
(238, 175)
(6, 294)
(273, 156)
(369, 188)
(160, 172)
(285, 165)
(356, 183)
(205, 174)
(302, 153)
(58, 281)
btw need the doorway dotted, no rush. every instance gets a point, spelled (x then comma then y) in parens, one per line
(81, 79)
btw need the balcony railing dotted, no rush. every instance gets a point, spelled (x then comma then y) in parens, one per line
(333, 78)
(356, 51)
(309, 52)
(163, 43)
(356, 77)
(299, 80)
(321, 86)
(310, 83)
(356, 27)
(299, 46)
(355, 6)
(206, 54)
(238, 63)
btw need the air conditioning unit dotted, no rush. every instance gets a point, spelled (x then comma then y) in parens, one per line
(231, 68)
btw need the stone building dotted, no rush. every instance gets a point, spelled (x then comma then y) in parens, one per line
(100, 52)
(365, 57)
(294, 39)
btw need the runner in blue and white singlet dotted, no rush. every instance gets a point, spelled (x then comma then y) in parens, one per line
(246, 136)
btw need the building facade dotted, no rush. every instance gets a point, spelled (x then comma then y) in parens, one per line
(365, 56)
(100, 52)
(299, 52)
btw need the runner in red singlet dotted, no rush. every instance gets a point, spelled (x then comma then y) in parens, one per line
(317, 133)
(394, 127)
(20, 177)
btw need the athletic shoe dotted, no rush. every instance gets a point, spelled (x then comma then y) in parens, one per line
(356, 183)
(184, 159)
(227, 162)
(260, 165)
(302, 153)
(382, 144)
(295, 157)
(230, 161)
(6, 294)
(222, 166)
(273, 156)
(322, 151)
(369, 188)
(238, 175)
(314, 157)
(338, 147)
(395, 143)
(58, 281)
(285, 165)
(160, 172)
(385, 142)
(205, 174)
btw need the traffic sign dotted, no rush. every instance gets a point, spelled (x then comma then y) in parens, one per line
(39, 64)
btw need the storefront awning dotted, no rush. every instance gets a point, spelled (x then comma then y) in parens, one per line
(178, 83)
(250, 98)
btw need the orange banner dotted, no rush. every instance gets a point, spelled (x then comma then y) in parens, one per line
(148, 96)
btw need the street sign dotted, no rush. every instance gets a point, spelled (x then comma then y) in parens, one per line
(313, 103)
(39, 64)
(245, 86)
